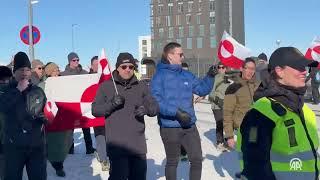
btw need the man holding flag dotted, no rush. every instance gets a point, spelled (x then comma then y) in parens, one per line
(124, 101)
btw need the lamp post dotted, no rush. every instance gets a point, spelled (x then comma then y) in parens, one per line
(72, 35)
(278, 43)
(31, 48)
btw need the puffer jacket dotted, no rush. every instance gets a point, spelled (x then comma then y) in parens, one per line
(24, 116)
(124, 131)
(173, 88)
(237, 101)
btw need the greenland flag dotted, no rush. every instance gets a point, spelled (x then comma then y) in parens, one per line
(313, 51)
(231, 53)
(70, 98)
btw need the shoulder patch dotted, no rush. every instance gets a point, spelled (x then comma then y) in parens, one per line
(278, 108)
(233, 88)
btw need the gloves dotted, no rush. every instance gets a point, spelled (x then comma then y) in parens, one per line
(117, 101)
(183, 118)
(213, 71)
(140, 111)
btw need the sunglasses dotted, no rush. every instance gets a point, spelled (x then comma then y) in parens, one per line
(124, 67)
(75, 60)
(221, 67)
(40, 68)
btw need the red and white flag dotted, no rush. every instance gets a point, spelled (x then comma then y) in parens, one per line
(231, 53)
(70, 98)
(313, 51)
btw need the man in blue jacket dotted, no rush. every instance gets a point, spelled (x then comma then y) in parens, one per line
(173, 88)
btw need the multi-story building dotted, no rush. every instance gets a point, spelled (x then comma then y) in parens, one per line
(144, 47)
(196, 25)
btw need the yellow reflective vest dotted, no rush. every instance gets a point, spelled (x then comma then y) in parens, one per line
(292, 155)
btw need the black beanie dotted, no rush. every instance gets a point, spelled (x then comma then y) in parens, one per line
(263, 56)
(5, 72)
(21, 60)
(125, 58)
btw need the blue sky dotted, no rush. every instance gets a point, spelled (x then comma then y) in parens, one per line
(115, 25)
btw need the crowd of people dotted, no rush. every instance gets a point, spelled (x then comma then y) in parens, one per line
(259, 112)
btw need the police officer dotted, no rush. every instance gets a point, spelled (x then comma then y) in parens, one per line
(278, 136)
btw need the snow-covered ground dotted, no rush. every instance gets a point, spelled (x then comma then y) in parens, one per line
(216, 165)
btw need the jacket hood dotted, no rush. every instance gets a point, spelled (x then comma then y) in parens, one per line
(170, 67)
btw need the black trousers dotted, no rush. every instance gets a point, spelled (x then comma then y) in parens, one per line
(172, 139)
(87, 139)
(128, 167)
(34, 158)
(218, 116)
(315, 93)
(57, 165)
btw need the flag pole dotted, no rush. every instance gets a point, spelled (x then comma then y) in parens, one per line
(114, 83)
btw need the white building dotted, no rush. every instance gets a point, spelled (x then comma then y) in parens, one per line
(144, 49)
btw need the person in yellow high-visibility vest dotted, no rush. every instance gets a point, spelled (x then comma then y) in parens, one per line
(278, 137)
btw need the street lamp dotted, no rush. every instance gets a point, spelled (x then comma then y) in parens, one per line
(31, 48)
(278, 42)
(72, 35)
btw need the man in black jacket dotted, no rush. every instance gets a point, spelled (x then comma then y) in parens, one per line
(24, 141)
(125, 126)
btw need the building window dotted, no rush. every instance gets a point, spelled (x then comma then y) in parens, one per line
(212, 18)
(151, 21)
(152, 34)
(212, 29)
(201, 30)
(199, 6)
(151, 8)
(161, 31)
(159, 1)
(158, 21)
(170, 35)
(179, 41)
(180, 7)
(189, 43)
(168, 20)
(211, 6)
(160, 46)
(198, 18)
(178, 21)
(190, 31)
(170, 8)
(144, 42)
(160, 8)
(188, 19)
(213, 43)
(199, 42)
(181, 31)
(190, 6)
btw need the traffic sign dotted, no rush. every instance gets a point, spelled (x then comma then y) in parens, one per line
(24, 35)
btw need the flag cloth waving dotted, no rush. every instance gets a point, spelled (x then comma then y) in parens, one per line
(70, 98)
(231, 53)
(313, 51)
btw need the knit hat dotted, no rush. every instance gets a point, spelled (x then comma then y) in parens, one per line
(263, 56)
(36, 63)
(5, 72)
(125, 58)
(21, 60)
(50, 67)
(72, 55)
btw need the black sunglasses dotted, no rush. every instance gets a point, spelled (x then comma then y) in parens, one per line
(40, 68)
(221, 67)
(125, 67)
(75, 60)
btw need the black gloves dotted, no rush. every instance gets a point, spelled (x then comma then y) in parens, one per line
(183, 118)
(213, 71)
(140, 111)
(117, 101)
